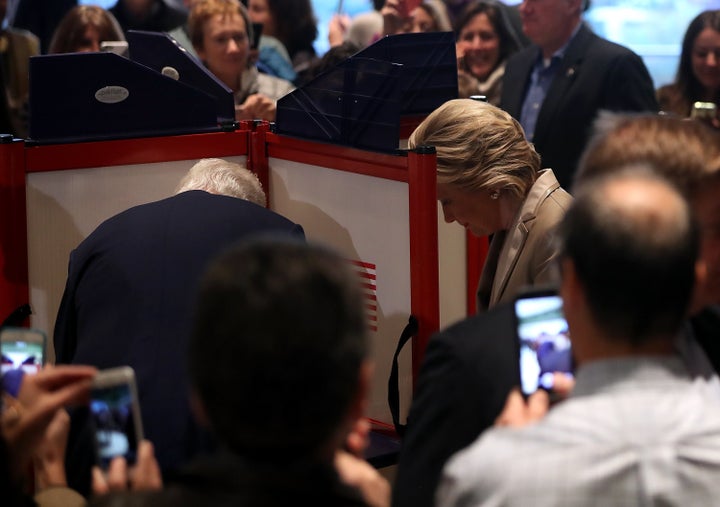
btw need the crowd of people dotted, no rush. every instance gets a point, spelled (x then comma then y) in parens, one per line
(249, 344)
(268, 47)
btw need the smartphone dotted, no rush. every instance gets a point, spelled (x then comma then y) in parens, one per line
(543, 339)
(706, 111)
(119, 47)
(23, 349)
(115, 412)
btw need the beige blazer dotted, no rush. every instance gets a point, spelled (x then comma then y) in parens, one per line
(522, 256)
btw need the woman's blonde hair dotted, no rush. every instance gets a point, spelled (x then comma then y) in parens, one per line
(479, 147)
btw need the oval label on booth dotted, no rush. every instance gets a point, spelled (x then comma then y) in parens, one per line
(111, 94)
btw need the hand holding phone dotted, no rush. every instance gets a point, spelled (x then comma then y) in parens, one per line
(115, 412)
(22, 349)
(545, 354)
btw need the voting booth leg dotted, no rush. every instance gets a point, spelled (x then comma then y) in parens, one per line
(13, 232)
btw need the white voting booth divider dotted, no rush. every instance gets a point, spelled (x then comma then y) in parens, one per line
(378, 210)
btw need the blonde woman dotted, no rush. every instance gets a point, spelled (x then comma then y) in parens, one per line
(489, 181)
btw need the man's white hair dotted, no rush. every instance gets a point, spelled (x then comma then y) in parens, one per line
(221, 177)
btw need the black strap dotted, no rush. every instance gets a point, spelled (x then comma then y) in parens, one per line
(18, 316)
(393, 389)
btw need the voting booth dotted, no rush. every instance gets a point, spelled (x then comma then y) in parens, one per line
(376, 205)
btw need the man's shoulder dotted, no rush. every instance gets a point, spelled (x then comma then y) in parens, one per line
(523, 58)
(598, 46)
(195, 201)
(494, 326)
(194, 206)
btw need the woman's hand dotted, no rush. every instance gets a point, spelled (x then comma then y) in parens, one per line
(338, 28)
(358, 473)
(25, 420)
(49, 457)
(395, 19)
(256, 107)
(144, 476)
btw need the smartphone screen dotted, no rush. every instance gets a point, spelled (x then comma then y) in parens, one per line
(22, 349)
(119, 47)
(544, 341)
(115, 413)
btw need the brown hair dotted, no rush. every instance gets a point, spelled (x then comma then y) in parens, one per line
(495, 13)
(683, 151)
(70, 32)
(203, 10)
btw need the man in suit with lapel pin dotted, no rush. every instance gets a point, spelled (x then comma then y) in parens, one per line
(556, 86)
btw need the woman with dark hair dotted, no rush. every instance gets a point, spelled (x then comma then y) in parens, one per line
(484, 41)
(698, 74)
(430, 16)
(83, 28)
(292, 22)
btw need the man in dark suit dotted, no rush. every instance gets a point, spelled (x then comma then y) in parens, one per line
(130, 288)
(556, 86)
(41, 17)
(150, 15)
(468, 371)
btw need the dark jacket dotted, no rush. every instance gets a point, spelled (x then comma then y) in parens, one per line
(468, 371)
(129, 300)
(227, 480)
(162, 17)
(595, 75)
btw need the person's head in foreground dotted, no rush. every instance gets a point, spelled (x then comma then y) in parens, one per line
(686, 153)
(629, 264)
(279, 352)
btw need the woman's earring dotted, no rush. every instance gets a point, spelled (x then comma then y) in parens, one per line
(495, 195)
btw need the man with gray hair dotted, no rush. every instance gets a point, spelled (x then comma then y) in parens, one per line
(556, 86)
(637, 429)
(130, 288)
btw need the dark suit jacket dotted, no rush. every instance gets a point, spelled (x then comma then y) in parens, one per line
(595, 74)
(130, 294)
(226, 480)
(41, 17)
(163, 17)
(466, 375)
(705, 327)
